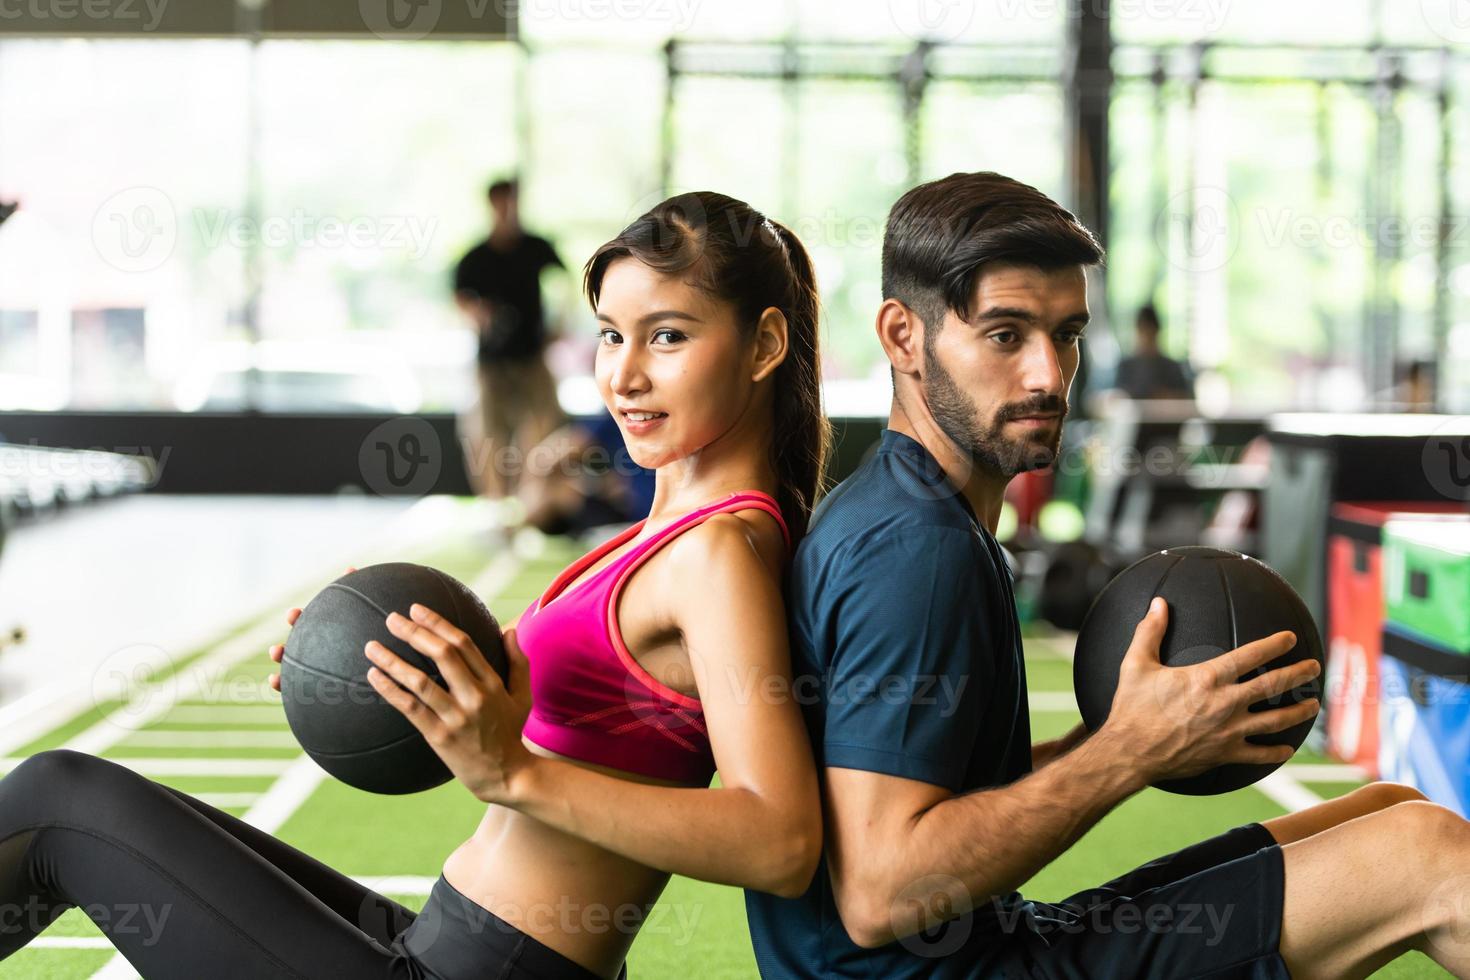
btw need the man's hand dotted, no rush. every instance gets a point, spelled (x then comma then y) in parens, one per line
(476, 307)
(1181, 721)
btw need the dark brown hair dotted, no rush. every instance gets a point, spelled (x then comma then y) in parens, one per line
(735, 254)
(939, 234)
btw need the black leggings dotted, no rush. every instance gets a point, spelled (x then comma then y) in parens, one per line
(186, 890)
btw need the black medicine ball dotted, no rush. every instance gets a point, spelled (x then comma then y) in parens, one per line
(1218, 601)
(334, 711)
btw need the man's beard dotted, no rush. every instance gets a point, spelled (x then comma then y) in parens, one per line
(989, 449)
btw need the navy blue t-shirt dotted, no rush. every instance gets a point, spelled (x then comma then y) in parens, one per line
(906, 652)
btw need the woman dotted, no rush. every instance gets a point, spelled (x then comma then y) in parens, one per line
(647, 664)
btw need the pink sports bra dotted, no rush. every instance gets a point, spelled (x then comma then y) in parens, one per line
(590, 700)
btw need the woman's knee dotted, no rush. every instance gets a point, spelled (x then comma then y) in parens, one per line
(59, 774)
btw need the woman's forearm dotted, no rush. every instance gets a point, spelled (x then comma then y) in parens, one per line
(728, 835)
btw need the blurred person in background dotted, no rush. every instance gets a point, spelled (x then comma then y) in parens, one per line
(581, 477)
(498, 287)
(1416, 389)
(1148, 372)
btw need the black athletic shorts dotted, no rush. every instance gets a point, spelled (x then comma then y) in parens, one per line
(1211, 910)
(185, 890)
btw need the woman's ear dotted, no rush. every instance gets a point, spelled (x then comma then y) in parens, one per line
(770, 343)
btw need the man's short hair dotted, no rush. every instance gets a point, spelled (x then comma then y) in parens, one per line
(505, 185)
(940, 234)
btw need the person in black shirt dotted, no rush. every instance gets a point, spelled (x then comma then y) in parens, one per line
(1148, 372)
(498, 286)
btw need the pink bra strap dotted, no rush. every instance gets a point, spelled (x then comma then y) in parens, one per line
(762, 501)
(748, 498)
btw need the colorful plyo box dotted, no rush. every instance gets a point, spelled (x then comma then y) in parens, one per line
(1426, 581)
(1424, 725)
(1355, 619)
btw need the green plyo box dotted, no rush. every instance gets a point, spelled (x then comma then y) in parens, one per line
(1426, 580)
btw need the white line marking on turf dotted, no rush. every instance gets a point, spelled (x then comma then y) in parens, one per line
(1311, 772)
(117, 968)
(496, 576)
(226, 800)
(397, 884)
(286, 795)
(191, 738)
(186, 766)
(1286, 792)
(221, 714)
(1052, 701)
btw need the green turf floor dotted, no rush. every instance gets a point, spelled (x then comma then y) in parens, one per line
(698, 929)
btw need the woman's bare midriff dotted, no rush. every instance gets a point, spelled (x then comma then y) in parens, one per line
(583, 901)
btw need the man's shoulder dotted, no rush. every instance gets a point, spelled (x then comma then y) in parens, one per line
(889, 489)
(477, 252)
(538, 247)
(879, 512)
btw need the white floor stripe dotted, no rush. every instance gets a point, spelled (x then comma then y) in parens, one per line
(286, 795)
(117, 968)
(1052, 701)
(226, 800)
(497, 575)
(197, 766)
(190, 738)
(398, 884)
(1326, 773)
(71, 942)
(1286, 792)
(226, 714)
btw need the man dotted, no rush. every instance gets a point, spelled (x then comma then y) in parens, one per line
(1148, 372)
(498, 286)
(937, 807)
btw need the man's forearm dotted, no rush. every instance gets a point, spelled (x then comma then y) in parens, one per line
(992, 841)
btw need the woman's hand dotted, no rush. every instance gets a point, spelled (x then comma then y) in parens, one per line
(279, 650)
(474, 726)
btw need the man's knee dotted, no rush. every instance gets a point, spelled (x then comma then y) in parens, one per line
(1426, 829)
